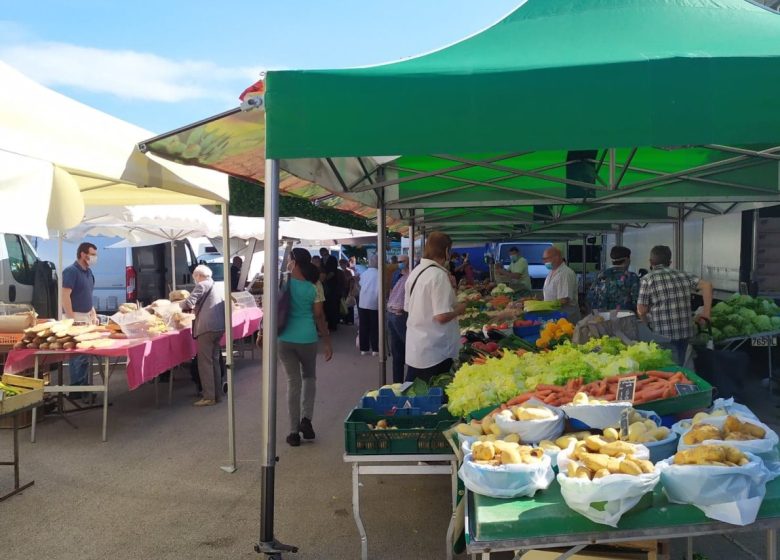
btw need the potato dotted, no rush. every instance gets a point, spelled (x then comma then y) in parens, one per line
(618, 448)
(512, 438)
(645, 465)
(594, 461)
(595, 443)
(659, 433)
(571, 469)
(601, 473)
(511, 456)
(611, 434)
(627, 466)
(580, 398)
(583, 472)
(483, 451)
(700, 433)
(564, 441)
(469, 430)
(548, 445)
(529, 413)
(68, 345)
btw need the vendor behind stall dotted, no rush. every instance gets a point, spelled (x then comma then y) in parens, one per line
(561, 284)
(208, 305)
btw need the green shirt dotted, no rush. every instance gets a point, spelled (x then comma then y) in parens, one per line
(300, 327)
(520, 266)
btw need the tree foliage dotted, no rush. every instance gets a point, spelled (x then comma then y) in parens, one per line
(246, 199)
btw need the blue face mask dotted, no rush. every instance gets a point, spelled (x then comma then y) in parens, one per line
(548, 266)
(401, 265)
(514, 258)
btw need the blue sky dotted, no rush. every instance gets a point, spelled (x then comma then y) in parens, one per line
(165, 63)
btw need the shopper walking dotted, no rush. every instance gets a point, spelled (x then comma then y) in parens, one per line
(298, 344)
(208, 305)
(368, 309)
(432, 333)
(616, 287)
(396, 320)
(334, 291)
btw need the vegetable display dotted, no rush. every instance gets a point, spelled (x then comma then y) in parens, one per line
(498, 379)
(554, 333)
(742, 315)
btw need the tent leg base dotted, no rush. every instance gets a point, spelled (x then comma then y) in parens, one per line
(274, 549)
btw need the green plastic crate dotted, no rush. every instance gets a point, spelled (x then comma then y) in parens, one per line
(414, 434)
(691, 401)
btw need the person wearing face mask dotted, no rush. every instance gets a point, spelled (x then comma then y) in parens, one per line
(396, 320)
(616, 287)
(78, 283)
(561, 283)
(518, 278)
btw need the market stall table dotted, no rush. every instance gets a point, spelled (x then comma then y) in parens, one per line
(14, 414)
(146, 359)
(545, 521)
(766, 340)
(401, 464)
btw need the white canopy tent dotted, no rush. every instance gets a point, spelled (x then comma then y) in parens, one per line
(58, 156)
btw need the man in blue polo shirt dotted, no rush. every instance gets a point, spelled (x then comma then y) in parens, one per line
(78, 283)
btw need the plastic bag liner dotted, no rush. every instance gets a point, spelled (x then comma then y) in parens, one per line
(534, 431)
(605, 500)
(727, 405)
(506, 481)
(765, 449)
(728, 494)
(597, 416)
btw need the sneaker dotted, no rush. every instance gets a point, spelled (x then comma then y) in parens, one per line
(204, 402)
(363, 353)
(306, 429)
(375, 353)
(224, 387)
(294, 440)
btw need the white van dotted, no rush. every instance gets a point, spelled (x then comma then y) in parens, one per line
(17, 259)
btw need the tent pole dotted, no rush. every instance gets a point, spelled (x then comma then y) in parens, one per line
(228, 341)
(59, 275)
(412, 232)
(173, 264)
(679, 237)
(382, 250)
(268, 545)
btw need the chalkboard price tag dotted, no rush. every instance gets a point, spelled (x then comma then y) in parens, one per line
(624, 422)
(626, 389)
(685, 388)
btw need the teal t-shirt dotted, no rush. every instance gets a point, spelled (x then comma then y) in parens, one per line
(300, 326)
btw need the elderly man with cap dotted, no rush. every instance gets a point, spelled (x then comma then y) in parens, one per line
(615, 287)
(561, 283)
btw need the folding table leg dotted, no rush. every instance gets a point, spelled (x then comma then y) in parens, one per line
(157, 392)
(689, 553)
(356, 511)
(170, 385)
(36, 374)
(106, 374)
(771, 544)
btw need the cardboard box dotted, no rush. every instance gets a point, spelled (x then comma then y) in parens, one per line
(32, 392)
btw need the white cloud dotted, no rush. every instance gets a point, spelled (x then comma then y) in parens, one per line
(127, 74)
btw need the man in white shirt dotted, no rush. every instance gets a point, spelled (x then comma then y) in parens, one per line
(432, 331)
(561, 283)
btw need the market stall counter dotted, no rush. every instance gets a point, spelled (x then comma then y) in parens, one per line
(545, 521)
(145, 358)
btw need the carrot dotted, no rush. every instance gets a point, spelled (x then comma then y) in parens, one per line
(519, 399)
(647, 395)
(659, 374)
(551, 387)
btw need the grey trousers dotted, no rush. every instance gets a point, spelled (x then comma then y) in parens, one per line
(300, 364)
(208, 364)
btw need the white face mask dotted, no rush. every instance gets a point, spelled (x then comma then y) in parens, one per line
(92, 260)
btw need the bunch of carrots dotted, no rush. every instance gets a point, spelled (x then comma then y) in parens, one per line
(500, 302)
(650, 386)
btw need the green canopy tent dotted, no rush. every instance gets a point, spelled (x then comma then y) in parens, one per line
(563, 109)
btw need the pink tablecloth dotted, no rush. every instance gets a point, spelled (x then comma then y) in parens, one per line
(146, 358)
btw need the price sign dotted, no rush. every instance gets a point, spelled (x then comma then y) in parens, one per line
(626, 389)
(624, 422)
(685, 388)
(764, 341)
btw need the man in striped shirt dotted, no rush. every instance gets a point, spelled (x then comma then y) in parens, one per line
(665, 297)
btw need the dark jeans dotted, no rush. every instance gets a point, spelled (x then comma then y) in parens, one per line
(678, 348)
(396, 326)
(368, 330)
(332, 311)
(426, 373)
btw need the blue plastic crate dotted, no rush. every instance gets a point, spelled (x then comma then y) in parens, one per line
(545, 316)
(388, 403)
(523, 332)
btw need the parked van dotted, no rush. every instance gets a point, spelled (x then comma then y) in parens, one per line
(24, 277)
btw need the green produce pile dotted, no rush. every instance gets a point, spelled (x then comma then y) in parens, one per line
(9, 391)
(744, 315)
(498, 379)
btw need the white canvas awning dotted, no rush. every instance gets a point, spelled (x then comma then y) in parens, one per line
(46, 137)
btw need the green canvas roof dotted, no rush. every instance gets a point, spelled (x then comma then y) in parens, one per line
(554, 74)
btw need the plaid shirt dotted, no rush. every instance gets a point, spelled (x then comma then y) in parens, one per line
(395, 304)
(667, 292)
